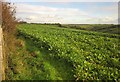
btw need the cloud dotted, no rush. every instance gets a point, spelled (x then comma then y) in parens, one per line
(36, 9)
(43, 14)
(38, 13)
(103, 20)
(109, 20)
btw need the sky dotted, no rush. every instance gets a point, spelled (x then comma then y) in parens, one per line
(67, 12)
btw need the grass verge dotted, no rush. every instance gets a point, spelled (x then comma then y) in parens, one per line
(33, 63)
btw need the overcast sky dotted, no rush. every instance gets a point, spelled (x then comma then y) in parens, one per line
(67, 12)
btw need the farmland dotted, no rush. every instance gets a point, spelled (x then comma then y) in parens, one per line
(105, 28)
(75, 53)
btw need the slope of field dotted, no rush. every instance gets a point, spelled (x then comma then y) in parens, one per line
(93, 55)
(106, 28)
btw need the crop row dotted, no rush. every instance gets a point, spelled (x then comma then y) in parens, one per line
(93, 55)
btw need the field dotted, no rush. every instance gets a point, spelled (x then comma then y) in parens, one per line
(49, 52)
(106, 28)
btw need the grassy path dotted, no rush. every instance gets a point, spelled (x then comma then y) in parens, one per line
(55, 69)
(33, 63)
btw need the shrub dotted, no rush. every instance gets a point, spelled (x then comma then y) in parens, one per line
(9, 30)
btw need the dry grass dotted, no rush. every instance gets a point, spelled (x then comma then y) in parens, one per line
(9, 30)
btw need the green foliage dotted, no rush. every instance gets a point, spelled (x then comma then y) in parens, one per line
(93, 55)
(33, 63)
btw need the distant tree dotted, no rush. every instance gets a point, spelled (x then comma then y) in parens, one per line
(22, 22)
(59, 25)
